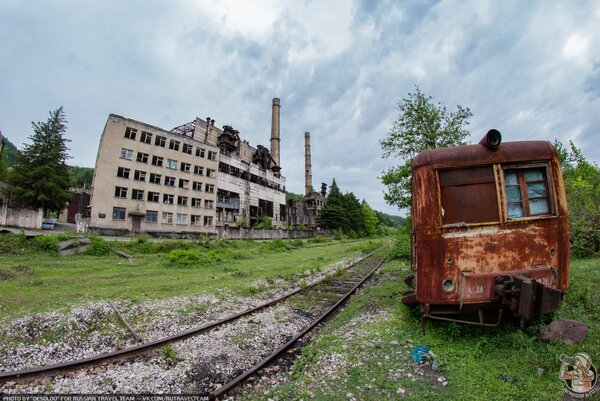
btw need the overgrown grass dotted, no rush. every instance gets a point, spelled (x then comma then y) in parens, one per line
(33, 278)
(474, 360)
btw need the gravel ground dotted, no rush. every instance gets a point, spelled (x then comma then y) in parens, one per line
(193, 365)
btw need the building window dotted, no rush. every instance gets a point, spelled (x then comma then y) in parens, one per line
(172, 164)
(168, 198)
(527, 192)
(212, 155)
(208, 220)
(139, 175)
(198, 170)
(208, 204)
(160, 141)
(137, 194)
(181, 218)
(185, 167)
(167, 218)
(210, 173)
(123, 172)
(155, 178)
(153, 196)
(118, 213)
(196, 202)
(210, 188)
(196, 220)
(121, 192)
(126, 153)
(182, 200)
(151, 216)
(157, 161)
(173, 144)
(200, 152)
(170, 181)
(184, 183)
(146, 137)
(130, 133)
(142, 157)
(187, 148)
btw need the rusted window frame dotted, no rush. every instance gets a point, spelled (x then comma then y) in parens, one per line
(549, 180)
(439, 198)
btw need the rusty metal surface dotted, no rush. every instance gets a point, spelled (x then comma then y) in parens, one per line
(462, 231)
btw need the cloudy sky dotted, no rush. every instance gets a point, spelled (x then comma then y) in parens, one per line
(530, 69)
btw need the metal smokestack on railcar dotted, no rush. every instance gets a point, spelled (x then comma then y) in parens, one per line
(492, 139)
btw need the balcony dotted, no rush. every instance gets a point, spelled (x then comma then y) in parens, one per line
(231, 203)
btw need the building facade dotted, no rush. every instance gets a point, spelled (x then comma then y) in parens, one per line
(190, 179)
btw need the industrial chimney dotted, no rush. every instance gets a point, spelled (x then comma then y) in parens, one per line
(275, 131)
(307, 164)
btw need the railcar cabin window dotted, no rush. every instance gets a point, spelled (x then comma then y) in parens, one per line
(527, 192)
(468, 195)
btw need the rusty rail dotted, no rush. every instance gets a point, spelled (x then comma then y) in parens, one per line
(221, 391)
(130, 352)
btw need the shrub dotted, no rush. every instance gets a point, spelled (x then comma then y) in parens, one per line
(99, 247)
(47, 243)
(297, 243)
(193, 257)
(338, 234)
(277, 245)
(401, 247)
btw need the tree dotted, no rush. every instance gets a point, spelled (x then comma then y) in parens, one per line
(370, 219)
(40, 178)
(421, 125)
(80, 177)
(582, 187)
(3, 163)
(333, 214)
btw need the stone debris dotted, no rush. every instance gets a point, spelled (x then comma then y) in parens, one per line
(568, 331)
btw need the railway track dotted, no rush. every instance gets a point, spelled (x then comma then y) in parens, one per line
(324, 297)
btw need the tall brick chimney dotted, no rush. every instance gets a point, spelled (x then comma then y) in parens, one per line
(307, 164)
(275, 131)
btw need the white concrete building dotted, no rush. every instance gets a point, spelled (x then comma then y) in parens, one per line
(188, 180)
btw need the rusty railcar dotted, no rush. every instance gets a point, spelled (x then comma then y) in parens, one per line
(490, 232)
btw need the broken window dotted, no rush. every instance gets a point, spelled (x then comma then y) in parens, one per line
(183, 183)
(208, 220)
(153, 196)
(185, 167)
(187, 149)
(157, 161)
(118, 213)
(167, 218)
(121, 192)
(155, 178)
(198, 170)
(468, 195)
(200, 152)
(182, 200)
(174, 144)
(130, 133)
(123, 172)
(168, 198)
(146, 137)
(160, 141)
(197, 186)
(142, 157)
(212, 155)
(151, 216)
(137, 194)
(170, 181)
(139, 175)
(527, 192)
(196, 202)
(196, 220)
(210, 188)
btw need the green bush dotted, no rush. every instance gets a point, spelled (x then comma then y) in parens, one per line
(194, 257)
(401, 247)
(338, 234)
(297, 243)
(277, 245)
(99, 247)
(47, 243)
(319, 240)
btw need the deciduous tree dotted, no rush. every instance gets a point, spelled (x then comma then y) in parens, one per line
(421, 125)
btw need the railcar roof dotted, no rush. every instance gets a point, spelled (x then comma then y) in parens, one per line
(469, 155)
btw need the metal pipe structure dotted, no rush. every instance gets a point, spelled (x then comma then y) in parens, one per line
(307, 164)
(275, 131)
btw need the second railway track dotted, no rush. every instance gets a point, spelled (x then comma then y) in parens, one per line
(210, 359)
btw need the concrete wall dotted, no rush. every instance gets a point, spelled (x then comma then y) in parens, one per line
(241, 233)
(22, 218)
